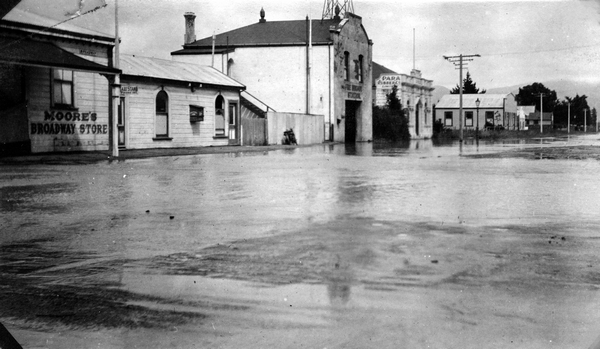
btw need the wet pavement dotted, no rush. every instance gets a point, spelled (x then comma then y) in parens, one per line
(484, 244)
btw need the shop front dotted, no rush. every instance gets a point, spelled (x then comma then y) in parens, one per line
(55, 91)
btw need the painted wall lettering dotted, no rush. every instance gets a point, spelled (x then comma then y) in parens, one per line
(67, 129)
(68, 116)
(52, 127)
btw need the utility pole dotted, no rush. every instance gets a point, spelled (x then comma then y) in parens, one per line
(569, 118)
(584, 120)
(460, 61)
(114, 141)
(541, 114)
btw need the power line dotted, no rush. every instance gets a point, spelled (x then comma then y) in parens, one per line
(436, 57)
(74, 15)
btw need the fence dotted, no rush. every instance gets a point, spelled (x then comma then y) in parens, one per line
(308, 128)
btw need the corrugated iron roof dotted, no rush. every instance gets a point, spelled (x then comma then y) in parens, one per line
(21, 15)
(379, 69)
(177, 71)
(46, 54)
(536, 116)
(269, 33)
(487, 101)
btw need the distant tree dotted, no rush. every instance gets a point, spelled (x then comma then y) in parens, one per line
(392, 101)
(530, 95)
(390, 122)
(469, 87)
(577, 106)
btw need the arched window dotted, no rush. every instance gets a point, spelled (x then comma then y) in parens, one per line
(162, 114)
(347, 66)
(219, 116)
(230, 63)
(359, 69)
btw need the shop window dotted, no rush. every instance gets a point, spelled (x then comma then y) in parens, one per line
(359, 69)
(162, 115)
(448, 118)
(469, 119)
(219, 116)
(196, 113)
(347, 66)
(62, 88)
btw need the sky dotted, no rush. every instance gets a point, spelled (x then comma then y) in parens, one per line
(519, 42)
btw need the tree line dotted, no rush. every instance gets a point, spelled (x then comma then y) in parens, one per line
(530, 95)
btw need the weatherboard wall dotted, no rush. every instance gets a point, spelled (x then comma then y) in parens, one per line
(140, 110)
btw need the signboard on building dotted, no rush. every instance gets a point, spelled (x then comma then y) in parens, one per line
(129, 89)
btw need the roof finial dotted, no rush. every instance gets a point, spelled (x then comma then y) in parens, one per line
(262, 16)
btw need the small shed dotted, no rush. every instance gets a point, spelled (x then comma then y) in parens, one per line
(168, 104)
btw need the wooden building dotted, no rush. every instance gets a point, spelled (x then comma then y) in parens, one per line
(168, 104)
(55, 90)
(479, 111)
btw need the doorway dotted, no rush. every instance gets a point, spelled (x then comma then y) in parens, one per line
(352, 110)
(417, 115)
(234, 124)
(121, 123)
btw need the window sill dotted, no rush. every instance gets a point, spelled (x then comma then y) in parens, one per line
(164, 138)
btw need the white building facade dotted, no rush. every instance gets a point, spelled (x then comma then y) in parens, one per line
(317, 67)
(414, 93)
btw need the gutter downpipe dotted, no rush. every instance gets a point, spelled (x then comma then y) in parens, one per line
(214, 38)
(330, 133)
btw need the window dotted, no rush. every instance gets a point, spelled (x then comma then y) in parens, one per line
(219, 116)
(230, 66)
(162, 114)
(447, 118)
(347, 66)
(196, 113)
(359, 69)
(62, 88)
(489, 118)
(469, 118)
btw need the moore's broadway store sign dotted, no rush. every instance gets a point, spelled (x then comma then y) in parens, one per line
(58, 122)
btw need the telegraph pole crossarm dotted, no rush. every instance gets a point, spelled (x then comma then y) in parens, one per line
(460, 62)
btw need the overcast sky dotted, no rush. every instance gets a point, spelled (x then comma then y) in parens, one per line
(519, 42)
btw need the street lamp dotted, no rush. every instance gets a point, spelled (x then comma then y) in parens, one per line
(477, 102)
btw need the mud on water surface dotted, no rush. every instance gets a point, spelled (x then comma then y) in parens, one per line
(42, 285)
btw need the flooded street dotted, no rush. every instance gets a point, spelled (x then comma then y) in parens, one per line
(331, 246)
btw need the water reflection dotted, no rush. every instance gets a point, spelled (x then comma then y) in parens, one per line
(339, 283)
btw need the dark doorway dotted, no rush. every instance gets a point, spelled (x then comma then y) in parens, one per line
(352, 109)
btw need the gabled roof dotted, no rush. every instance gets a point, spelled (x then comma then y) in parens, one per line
(175, 71)
(379, 69)
(487, 101)
(536, 116)
(526, 108)
(278, 33)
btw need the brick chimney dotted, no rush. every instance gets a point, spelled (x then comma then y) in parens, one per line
(190, 30)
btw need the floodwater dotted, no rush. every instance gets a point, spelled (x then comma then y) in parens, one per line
(332, 246)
